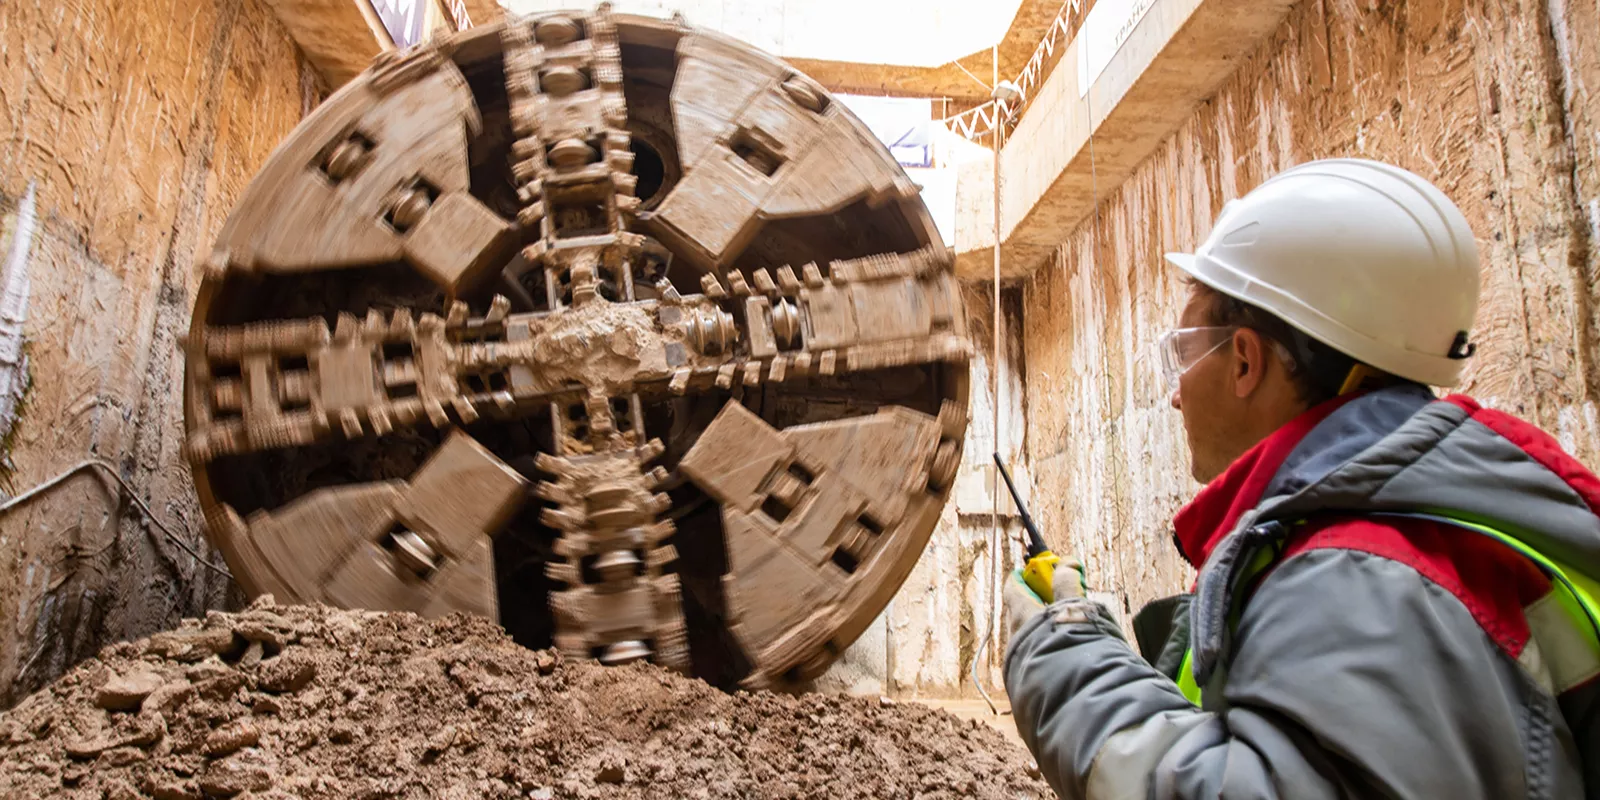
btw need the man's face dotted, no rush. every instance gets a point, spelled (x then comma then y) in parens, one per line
(1207, 397)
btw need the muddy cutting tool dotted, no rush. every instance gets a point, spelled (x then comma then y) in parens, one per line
(1040, 568)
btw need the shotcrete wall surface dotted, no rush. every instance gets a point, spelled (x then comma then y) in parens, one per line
(1484, 98)
(138, 124)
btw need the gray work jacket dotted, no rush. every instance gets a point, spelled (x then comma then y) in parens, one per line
(1378, 656)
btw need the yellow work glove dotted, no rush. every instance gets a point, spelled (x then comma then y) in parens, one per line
(1021, 602)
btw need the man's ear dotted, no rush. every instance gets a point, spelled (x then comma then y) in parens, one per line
(1250, 355)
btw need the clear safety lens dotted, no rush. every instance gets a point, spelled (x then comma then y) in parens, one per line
(1180, 349)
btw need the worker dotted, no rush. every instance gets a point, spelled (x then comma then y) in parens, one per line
(1396, 594)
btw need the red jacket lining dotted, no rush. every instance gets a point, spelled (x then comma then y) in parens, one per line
(1493, 581)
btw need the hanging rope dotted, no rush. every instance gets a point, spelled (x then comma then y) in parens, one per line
(998, 131)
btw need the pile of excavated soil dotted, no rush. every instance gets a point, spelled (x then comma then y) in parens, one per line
(313, 702)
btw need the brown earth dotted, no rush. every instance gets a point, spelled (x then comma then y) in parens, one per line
(307, 701)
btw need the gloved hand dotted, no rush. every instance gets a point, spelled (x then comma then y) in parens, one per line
(1022, 603)
(1019, 602)
(1070, 579)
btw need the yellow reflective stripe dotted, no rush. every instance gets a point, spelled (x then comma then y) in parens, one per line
(1572, 659)
(1186, 684)
(1579, 592)
(1565, 623)
(1258, 564)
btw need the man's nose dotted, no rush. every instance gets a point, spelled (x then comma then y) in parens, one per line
(1176, 400)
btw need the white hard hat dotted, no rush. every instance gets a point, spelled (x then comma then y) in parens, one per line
(1367, 258)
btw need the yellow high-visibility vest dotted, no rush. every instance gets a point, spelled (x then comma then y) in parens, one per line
(1578, 594)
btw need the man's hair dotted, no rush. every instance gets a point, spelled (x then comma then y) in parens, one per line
(1317, 370)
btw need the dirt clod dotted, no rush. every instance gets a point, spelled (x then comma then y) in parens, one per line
(119, 789)
(455, 705)
(125, 692)
(546, 661)
(252, 655)
(289, 672)
(230, 739)
(172, 788)
(191, 644)
(247, 770)
(611, 772)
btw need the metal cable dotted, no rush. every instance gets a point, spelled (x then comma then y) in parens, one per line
(976, 79)
(127, 489)
(1025, 79)
(994, 485)
(994, 399)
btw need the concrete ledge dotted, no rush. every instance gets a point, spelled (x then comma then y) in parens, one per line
(1173, 60)
(339, 37)
(484, 12)
(950, 80)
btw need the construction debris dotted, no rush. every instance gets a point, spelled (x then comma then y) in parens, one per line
(366, 704)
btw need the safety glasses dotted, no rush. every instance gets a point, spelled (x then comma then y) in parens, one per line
(1180, 349)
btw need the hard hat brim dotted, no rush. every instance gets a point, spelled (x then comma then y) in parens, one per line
(1423, 368)
(1192, 266)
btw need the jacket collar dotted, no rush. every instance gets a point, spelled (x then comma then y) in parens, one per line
(1201, 524)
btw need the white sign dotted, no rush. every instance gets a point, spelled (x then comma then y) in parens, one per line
(1108, 25)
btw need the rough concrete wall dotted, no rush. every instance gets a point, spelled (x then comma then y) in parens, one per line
(939, 618)
(1468, 93)
(139, 123)
(1573, 25)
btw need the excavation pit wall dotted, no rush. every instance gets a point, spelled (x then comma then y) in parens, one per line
(138, 125)
(1486, 99)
